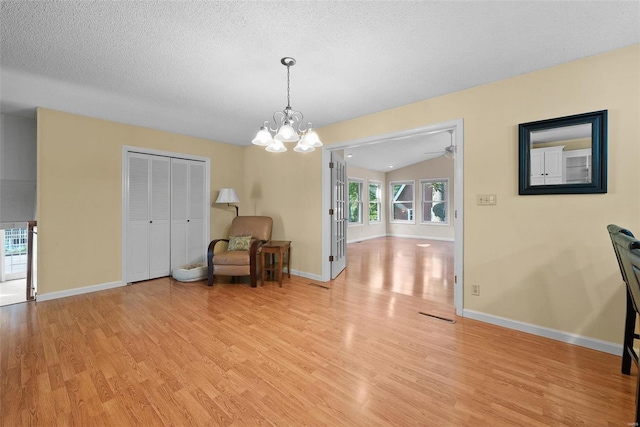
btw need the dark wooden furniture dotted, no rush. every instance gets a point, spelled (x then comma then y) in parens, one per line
(627, 250)
(634, 283)
(279, 248)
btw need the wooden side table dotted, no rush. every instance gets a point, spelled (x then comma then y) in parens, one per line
(271, 248)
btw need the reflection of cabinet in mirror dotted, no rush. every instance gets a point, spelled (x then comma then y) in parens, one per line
(563, 155)
(546, 165)
(577, 166)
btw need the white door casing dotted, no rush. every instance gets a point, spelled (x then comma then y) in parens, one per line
(458, 215)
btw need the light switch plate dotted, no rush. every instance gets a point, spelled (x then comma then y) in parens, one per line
(487, 199)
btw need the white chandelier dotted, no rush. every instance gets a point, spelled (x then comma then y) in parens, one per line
(290, 128)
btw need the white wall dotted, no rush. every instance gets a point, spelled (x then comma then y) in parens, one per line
(17, 170)
(366, 230)
(438, 168)
(441, 167)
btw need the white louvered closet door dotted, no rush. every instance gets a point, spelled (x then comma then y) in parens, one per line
(187, 212)
(148, 234)
(195, 222)
(138, 221)
(159, 218)
(179, 208)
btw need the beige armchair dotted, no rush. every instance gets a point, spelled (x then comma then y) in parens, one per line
(240, 262)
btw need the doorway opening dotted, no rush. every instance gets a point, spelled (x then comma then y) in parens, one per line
(455, 129)
(18, 263)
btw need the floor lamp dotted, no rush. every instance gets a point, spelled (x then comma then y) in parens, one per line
(228, 196)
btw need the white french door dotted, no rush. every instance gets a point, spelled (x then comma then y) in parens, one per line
(338, 215)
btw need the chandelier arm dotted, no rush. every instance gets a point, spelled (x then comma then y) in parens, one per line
(278, 117)
(298, 117)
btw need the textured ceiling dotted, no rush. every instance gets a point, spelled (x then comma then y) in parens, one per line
(212, 69)
(396, 153)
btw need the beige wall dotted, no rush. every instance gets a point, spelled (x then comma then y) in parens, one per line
(545, 260)
(441, 167)
(287, 187)
(80, 194)
(366, 230)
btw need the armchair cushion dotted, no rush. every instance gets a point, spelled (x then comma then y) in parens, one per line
(259, 227)
(239, 243)
(232, 258)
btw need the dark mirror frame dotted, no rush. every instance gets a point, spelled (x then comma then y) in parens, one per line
(598, 184)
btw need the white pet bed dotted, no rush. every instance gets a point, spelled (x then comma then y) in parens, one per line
(190, 272)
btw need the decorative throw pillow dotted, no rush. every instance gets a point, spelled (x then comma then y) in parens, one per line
(239, 243)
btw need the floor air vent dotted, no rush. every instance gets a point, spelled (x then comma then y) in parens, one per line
(437, 317)
(318, 285)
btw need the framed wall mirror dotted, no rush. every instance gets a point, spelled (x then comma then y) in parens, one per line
(565, 155)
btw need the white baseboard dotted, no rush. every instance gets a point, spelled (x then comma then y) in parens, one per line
(409, 236)
(78, 291)
(311, 276)
(366, 238)
(592, 343)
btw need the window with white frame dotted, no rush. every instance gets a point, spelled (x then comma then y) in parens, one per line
(402, 200)
(355, 201)
(435, 201)
(15, 252)
(375, 201)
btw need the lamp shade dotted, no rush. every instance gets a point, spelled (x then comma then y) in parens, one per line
(263, 138)
(311, 138)
(227, 195)
(302, 147)
(276, 147)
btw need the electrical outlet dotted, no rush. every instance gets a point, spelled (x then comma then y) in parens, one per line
(475, 290)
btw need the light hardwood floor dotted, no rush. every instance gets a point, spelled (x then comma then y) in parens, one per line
(357, 354)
